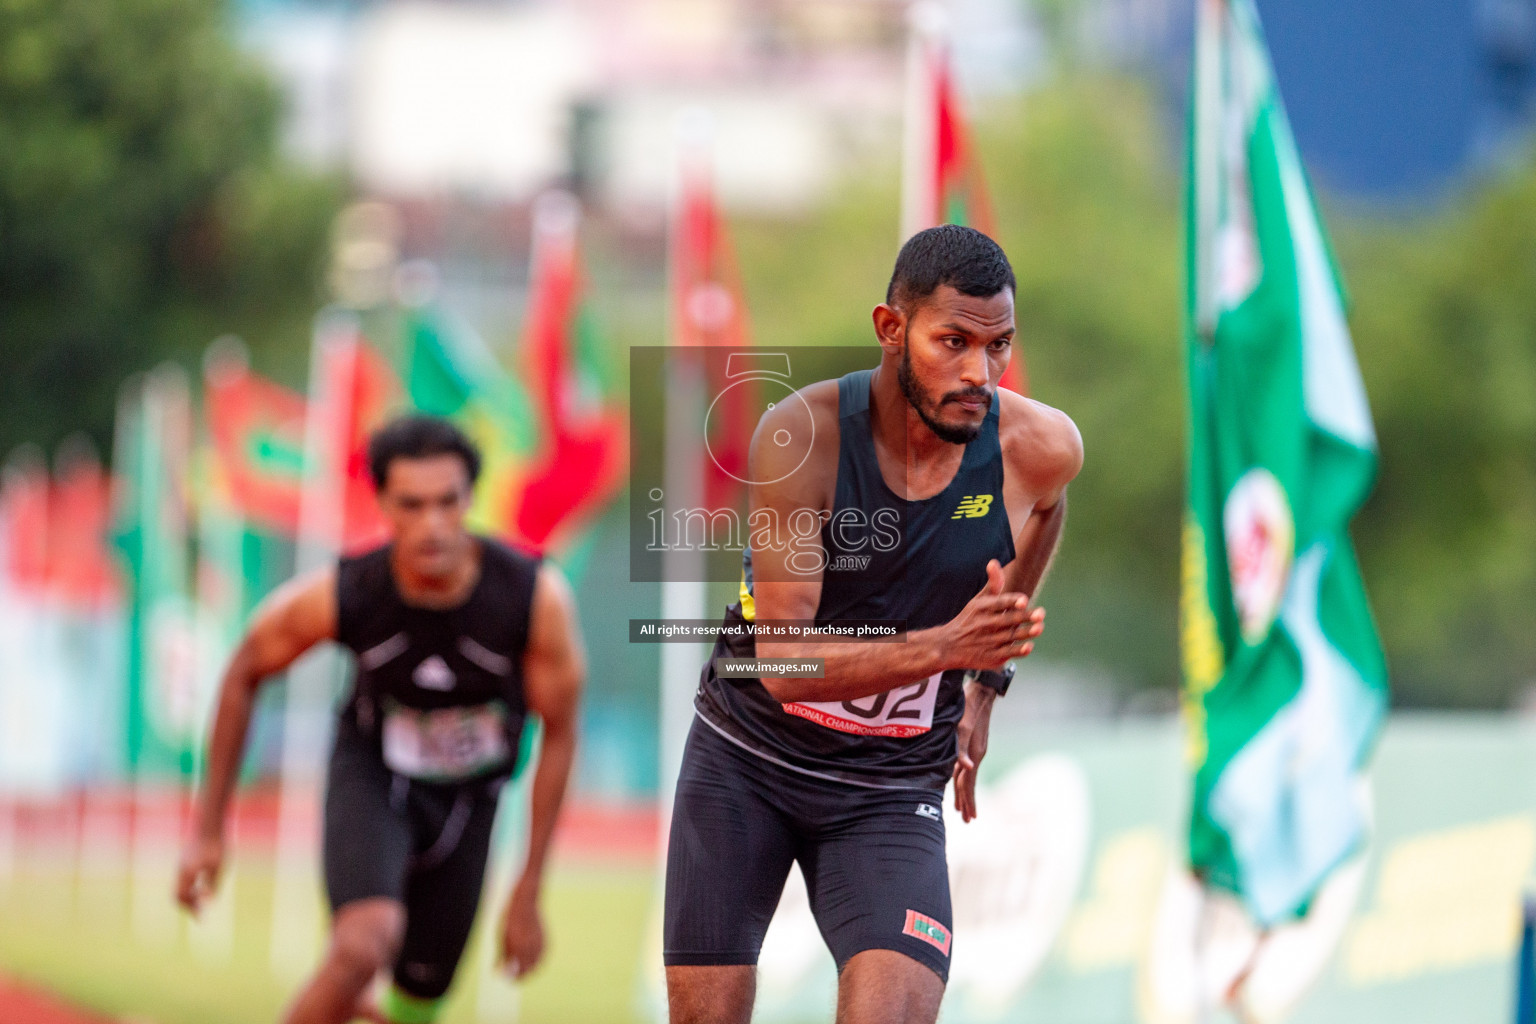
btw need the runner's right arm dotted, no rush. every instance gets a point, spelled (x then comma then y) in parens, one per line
(293, 618)
(787, 561)
(1042, 453)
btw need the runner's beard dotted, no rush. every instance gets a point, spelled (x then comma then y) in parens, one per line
(963, 433)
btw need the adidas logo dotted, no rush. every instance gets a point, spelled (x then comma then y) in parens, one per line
(434, 674)
(973, 506)
(929, 811)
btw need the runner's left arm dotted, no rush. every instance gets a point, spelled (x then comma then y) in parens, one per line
(554, 668)
(1041, 461)
(1036, 546)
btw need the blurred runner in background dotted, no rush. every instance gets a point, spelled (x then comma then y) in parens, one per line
(457, 639)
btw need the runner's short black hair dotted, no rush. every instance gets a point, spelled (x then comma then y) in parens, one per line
(963, 258)
(418, 437)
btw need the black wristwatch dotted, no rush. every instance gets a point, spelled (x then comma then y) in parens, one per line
(999, 681)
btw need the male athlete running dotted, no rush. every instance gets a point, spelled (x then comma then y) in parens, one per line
(940, 499)
(457, 639)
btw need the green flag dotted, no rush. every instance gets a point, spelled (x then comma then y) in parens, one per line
(450, 372)
(153, 433)
(1285, 683)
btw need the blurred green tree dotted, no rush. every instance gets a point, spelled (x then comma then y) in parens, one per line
(143, 206)
(1444, 317)
(1085, 176)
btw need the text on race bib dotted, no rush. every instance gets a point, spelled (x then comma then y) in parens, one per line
(902, 711)
(446, 744)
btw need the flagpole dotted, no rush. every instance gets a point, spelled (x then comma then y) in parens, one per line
(164, 416)
(555, 219)
(683, 587)
(1204, 158)
(312, 679)
(212, 936)
(109, 835)
(926, 25)
(1203, 928)
(8, 813)
(7, 836)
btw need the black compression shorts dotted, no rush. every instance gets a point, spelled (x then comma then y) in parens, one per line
(423, 845)
(873, 860)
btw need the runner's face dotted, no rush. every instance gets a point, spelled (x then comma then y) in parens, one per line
(956, 349)
(425, 501)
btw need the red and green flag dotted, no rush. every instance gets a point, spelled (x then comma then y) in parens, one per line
(30, 673)
(583, 445)
(26, 492)
(60, 641)
(256, 428)
(81, 564)
(941, 180)
(248, 483)
(356, 392)
(707, 310)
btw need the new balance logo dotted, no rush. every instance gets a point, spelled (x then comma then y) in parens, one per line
(928, 811)
(434, 674)
(973, 506)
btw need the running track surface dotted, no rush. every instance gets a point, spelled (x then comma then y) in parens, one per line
(26, 1006)
(586, 831)
(613, 833)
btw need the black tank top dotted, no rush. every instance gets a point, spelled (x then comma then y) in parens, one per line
(887, 558)
(438, 691)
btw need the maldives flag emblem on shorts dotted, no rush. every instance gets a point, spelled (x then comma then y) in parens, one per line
(921, 926)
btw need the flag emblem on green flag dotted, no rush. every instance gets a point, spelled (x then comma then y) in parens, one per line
(1285, 682)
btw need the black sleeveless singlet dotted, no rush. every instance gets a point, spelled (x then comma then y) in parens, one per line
(438, 693)
(919, 562)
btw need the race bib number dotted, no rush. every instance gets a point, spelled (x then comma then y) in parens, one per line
(446, 744)
(904, 711)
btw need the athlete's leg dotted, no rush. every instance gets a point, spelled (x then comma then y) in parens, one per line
(365, 939)
(879, 888)
(442, 899)
(882, 986)
(719, 994)
(728, 854)
(367, 844)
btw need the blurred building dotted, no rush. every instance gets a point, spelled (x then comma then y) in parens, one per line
(491, 100)
(494, 101)
(459, 112)
(1389, 100)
